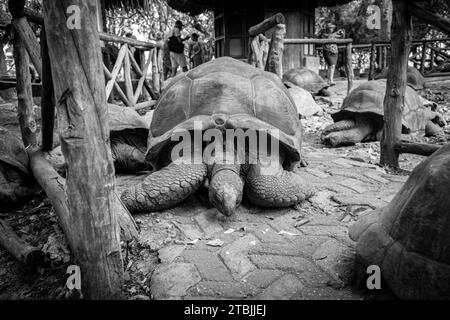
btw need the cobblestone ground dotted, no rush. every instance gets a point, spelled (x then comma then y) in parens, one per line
(296, 253)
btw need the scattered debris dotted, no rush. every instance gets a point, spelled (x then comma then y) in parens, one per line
(301, 222)
(215, 243)
(192, 242)
(287, 233)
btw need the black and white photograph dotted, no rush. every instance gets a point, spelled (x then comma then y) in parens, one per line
(224, 154)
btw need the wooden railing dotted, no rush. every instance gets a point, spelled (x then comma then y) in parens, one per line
(269, 57)
(134, 88)
(348, 44)
(125, 64)
(427, 63)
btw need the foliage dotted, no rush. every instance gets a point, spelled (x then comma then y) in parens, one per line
(352, 18)
(158, 18)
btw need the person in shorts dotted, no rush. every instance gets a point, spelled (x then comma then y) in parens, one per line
(330, 50)
(176, 49)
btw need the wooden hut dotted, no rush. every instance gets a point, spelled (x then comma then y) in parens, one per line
(233, 18)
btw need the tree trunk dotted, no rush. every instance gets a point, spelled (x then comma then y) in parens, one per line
(30, 42)
(24, 94)
(18, 248)
(275, 57)
(386, 19)
(396, 83)
(82, 119)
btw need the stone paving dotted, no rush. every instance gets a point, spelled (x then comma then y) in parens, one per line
(294, 253)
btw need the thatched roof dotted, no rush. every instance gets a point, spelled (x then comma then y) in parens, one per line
(195, 7)
(127, 4)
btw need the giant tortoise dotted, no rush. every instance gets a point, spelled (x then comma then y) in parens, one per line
(307, 79)
(216, 96)
(414, 78)
(128, 136)
(361, 116)
(16, 180)
(409, 240)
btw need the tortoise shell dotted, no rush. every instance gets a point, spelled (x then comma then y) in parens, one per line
(121, 118)
(304, 101)
(414, 78)
(410, 238)
(17, 183)
(306, 79)
(12, 151)
(127, 126)
(368, 98)
(226, 94)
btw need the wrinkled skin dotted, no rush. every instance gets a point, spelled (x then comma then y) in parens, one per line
(364, 128)
(266, 185)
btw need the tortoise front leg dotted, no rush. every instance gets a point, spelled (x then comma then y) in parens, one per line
(338, 126)
(165, 188)
(362, 129)
(272, 186)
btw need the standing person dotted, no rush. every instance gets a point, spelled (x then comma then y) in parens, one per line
(195, 51)
(330, 50)
(176, 48)
(167, 64)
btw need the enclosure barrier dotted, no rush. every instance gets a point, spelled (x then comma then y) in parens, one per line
(265, 54)
(87, 207)
(348, 61)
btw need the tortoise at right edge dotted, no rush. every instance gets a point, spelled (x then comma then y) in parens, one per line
(409, 240)
(361, 116)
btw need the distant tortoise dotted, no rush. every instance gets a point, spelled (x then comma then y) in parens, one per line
(222, 94)
(409, 240)
(128, 136)
(306, 79)
(361, 116)
(304, 101)
(16, 181)
(414, 78)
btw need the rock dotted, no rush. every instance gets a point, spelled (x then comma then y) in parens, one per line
(235, 255)
(282, 289)
(170, 253)
(173, 280)
(336, 259)
(304, 101)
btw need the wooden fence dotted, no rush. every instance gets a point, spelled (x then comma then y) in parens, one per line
(135, 90)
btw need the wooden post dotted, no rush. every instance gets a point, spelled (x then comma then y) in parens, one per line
(372, 61)
(24, 94)
(30, 42)
(349, 67)
(396, 82)
(91, 228)
(432, 55)
(275, 57)
(267, 24)
(127, 78)
(47, 97)
(155, 72)
(424, 56)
